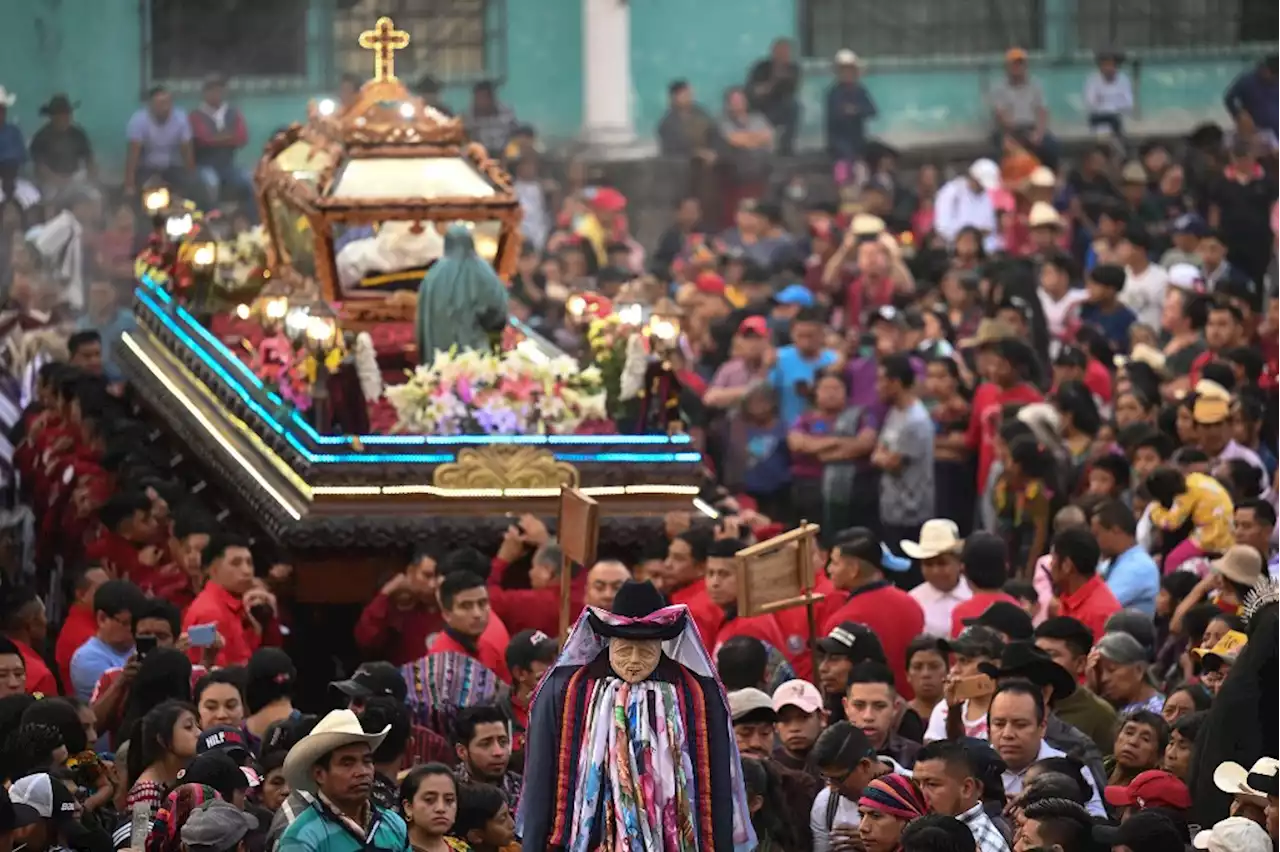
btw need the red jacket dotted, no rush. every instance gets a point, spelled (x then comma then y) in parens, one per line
(490, 657)
(40, 678)
(532, 609)
(794, 623)
(1091, 604)
(215, 605)
(76, 630)
(893, 615)
(984, 422)
(763, 627)
(386, 632)
(706, 615)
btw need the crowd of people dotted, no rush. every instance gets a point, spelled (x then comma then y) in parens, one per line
(1033, 409)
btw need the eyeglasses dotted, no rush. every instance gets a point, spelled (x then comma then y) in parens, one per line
(836, 780)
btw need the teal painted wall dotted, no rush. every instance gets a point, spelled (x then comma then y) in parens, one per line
(92, 49)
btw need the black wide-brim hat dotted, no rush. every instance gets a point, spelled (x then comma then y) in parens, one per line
(1024, 659)
(636, 601)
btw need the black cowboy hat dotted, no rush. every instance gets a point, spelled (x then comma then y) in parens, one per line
(637, 600)
(58, 104)
(1024, 659)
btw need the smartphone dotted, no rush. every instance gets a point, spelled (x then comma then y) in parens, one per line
(976, 686)
(201, 635)
(145, 645)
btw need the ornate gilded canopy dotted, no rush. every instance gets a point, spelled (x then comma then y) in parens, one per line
(385, 157)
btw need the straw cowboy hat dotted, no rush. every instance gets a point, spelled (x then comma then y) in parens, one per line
(937, 537)
(340, 728)
(1044, 216)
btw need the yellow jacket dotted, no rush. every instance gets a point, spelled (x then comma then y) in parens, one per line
(1208, 505)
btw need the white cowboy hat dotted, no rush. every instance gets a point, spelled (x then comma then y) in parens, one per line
(986, 173)
(937, 537)
(7, 98)
(1231, 777)
(339, 728)
(1044, 216)
(1043, 178)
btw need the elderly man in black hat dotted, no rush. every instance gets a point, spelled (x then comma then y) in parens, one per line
(629, 734)
(61, 151)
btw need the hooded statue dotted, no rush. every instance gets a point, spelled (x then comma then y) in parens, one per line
(629, 741)
(461, 300)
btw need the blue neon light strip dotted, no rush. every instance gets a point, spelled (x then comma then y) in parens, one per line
(429, 440)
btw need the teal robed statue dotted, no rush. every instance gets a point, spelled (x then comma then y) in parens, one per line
(461, 301)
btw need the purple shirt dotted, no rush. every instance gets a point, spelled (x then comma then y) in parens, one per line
(161, 143)
(804, 465)
(735, 373)
(860, 376)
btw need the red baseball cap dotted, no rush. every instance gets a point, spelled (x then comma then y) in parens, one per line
(754, 325)
(1153, 788)
(609, 200)
(709, 283)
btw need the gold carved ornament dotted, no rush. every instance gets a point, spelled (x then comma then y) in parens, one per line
(505, 466)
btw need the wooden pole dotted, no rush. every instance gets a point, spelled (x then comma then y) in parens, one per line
(579, 531)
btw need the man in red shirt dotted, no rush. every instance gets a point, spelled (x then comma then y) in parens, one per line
(683, 580)
(468, 559)
(983, 557)
(722, 590)
(403, 615)
(1003, 385)
(13, 669)
(464, 603)
(892, 614)
(221, 602)
(1082, 594)
(537, 607)
(27, 627)
(80, 623)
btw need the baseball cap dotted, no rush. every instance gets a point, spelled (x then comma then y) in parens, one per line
(750, 701)
(1184, 276)
(1145, 831)
(530, 646)
(1227, 650)
(1015, 54)
(1007, 618)
(754, 325)
(985, 171)
(853, 640)
(797, 693)
(794, 294)
(1190, 223)
(976, 641)
(1210, 410)
(217, 825)
(11, 817)
(38, 796)
(226, 739)
(891, 561)
(889, 314)
(376, 678)
(219, 771)
(1153, 788)
(1233, 834)
(710, 283)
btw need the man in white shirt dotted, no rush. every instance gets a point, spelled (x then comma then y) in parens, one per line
(1144, 281)
(965, 201)
(847, 762)
(1108, 94)
(944, 586)
(1016, 725)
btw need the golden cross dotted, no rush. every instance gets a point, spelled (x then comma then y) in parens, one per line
(384, 39)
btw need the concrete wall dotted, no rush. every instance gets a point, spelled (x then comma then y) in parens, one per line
(93, 50)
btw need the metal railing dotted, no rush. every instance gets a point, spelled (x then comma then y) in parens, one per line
(185, 41)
